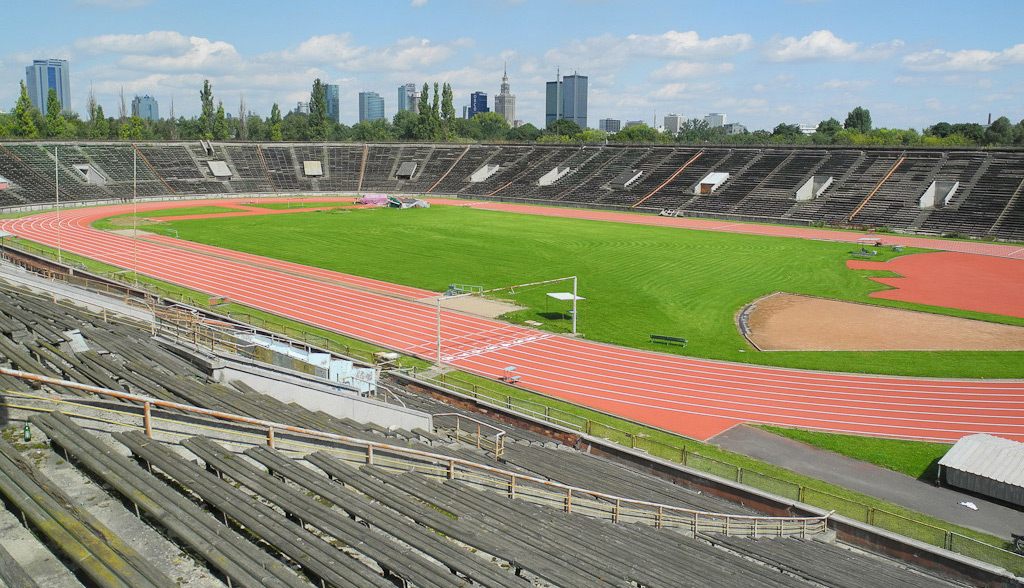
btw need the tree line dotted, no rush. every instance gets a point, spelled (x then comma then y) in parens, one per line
(435, 121)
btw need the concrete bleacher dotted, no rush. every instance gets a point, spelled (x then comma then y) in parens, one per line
(761, 183)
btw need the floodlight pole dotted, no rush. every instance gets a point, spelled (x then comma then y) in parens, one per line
(135, 214)
(56, 193)
(574, 305)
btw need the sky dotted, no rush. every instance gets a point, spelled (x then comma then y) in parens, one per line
(910, 62)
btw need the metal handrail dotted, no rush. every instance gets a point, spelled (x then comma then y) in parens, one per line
(499, 437)
(660, 515)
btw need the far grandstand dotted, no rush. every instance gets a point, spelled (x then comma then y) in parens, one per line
(968, 193)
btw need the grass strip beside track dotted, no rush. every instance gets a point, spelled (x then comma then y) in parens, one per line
(917, 459)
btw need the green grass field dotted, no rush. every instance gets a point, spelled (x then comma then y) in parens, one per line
(637, 279)
(290, 205)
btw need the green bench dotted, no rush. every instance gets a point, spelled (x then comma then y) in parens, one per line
(667, 340)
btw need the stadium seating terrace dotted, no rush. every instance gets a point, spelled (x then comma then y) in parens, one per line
(868, 188)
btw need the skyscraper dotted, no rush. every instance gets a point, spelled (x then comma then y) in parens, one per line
(408, 97)
(146, 107)
(45, 75)
(673, 123)
(609, 125)
(333, 94)
(715, 119)
(567, 98)
(371, 106)
(505, 101)
(477, 103)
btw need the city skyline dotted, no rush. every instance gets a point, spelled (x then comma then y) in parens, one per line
(794, 61)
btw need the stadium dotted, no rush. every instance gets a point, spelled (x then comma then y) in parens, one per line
(192, 303)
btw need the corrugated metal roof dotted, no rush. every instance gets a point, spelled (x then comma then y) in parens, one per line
(988, 456)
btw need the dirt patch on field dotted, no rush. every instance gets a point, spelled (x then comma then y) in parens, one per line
(790, 322)
(475, 305)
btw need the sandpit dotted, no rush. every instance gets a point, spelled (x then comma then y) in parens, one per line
(476, 305)
(791, 322)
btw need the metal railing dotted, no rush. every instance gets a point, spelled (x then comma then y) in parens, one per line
(564, 496)
(476, 434)
(854, 509)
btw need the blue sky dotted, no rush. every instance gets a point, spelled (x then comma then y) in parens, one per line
(912, 63)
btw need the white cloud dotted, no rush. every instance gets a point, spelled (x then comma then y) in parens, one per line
(201, 55)
(152, 42)
(688, 69)
(686, 44)
(964, 60)
(610, 50)
(825, 45)
(846, 84)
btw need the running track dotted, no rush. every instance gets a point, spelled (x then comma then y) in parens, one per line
(694, 397)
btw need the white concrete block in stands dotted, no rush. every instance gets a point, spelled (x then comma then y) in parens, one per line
(710, 183)
(484, 172)
(219, 169)
(938, 194)
(313, 168)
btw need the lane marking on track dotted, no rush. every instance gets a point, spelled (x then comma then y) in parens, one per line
(495, 347)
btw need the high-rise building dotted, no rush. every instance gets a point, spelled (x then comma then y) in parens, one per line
(371, 106)
(715, 119)
(333, 95)
(567, 99)
(146, 107)
(45, 75)
(505, 101)
(673, 123)
(408, 98)
(609, 125)
(302, 107)
(477, 103)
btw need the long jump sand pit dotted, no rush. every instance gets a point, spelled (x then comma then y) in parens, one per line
(791, 322)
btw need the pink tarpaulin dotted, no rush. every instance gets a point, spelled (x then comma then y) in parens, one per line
(373, 199)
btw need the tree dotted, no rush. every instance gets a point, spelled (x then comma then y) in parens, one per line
(208, 113)
(524, 133)
(372, 130)
(1000, 132)
(491, 125)
(100, 125)
(829, 127)
(447, 108)
(24, 121)
(786, 133)
(435, 108)
(220, 124)
(424, 104)
(859, 119)
(564, 126)
(295, 127)
(319, 125)
(275, 123)
(593, 136)
(640, 133)
(940, 129)
(133, 128)
(56, 125)
(405, 122)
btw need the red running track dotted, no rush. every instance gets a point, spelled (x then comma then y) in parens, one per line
(694, 397)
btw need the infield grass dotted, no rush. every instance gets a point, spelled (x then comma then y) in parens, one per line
(638, 280)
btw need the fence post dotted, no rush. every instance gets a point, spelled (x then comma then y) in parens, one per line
(147, 419)
(615, 510)
(369, 455)
(568, 500)
(739, 475)
(871, 515)
(451, 469)
(632, 441)
(270, 437)
(512, 486)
